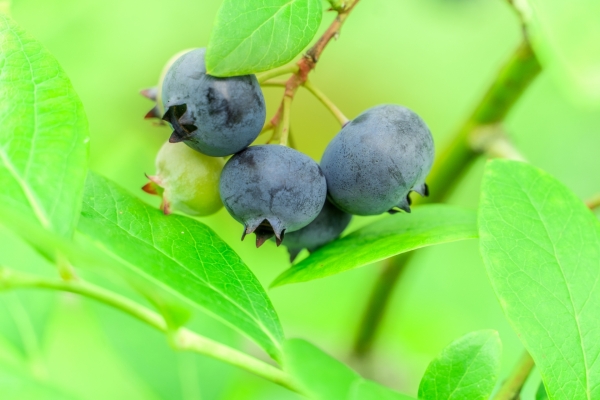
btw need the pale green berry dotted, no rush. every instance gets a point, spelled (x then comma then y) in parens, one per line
(187, 180)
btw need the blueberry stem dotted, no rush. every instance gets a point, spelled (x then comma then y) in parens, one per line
(304, 66)
(267, 127)
(282, 128)
(274, 73)
(181, 338)
(330, 105)
(273, 84)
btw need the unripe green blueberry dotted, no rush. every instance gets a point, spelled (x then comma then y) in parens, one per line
(187, 180)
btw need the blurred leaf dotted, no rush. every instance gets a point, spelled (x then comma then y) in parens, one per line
(466, 369)
(19, 384)
(369, 390)
(251, 36)
(167, 372)
(321, 375)
(325, 378)
(17, 381)
(566, 36)
(43, 140)
(182, 256)
(541, 247)
(80, 358)
(426, 226)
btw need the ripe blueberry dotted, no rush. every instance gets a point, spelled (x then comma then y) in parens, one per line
(216, 116)
(377, 159)
(328, 225)
(187, 180)
(272, 190)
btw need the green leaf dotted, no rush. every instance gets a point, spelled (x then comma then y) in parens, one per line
(564, 36)
(251, 36)
(541, 247)
(466, 369)
(44, 135)
(368, 390)
(321, 375)
(182, 256)
(325, 378)
(395, 234)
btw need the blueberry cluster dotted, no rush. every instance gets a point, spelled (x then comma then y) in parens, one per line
(370, 167)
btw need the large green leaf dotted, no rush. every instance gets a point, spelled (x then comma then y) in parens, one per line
(466, 369)
(541, 247)
(257, 35)
(181, 255)
(44, 135)
(395, 234)
(566, 37)
(325, 378)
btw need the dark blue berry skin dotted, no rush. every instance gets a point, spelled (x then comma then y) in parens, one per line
(216, 116)
(377, 159)
(328, 226)
(272, 190)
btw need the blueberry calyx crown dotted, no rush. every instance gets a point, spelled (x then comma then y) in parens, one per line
(264, 231)
(181, 131)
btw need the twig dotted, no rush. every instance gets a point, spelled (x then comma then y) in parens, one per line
(309, 61)
(511, 388)
(510, 83)
(274, 73)
(518, 8)
(493, 141)
(183, 338)
(267, 127)
(273, 83)
(593, 202)
(326, 102)
(284, 126)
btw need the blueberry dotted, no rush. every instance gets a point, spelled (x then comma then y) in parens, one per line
(271, 190)
(216, 116)
(328, 225)
(377, 159)
(186, 180)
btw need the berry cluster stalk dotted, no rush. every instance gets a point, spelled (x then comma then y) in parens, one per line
(301, 70)
(510, 83)
(181, 339)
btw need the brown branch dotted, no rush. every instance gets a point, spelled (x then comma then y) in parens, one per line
(309, 61)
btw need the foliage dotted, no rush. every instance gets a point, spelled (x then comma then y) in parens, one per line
(181, 279)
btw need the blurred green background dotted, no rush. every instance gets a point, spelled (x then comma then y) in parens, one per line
(434, 56)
